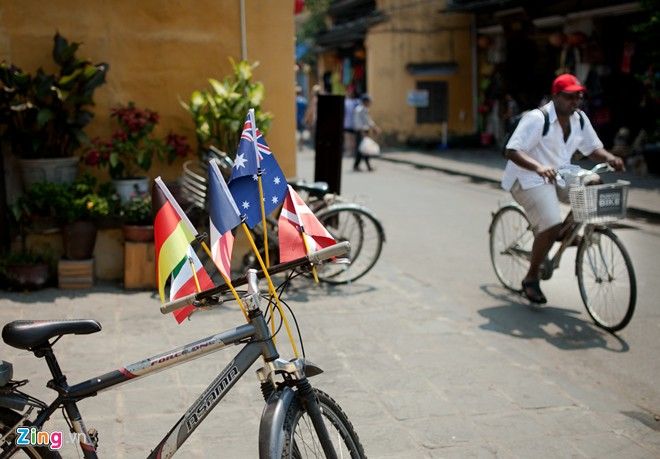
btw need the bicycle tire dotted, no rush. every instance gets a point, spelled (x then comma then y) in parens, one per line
(8, 419)
(353, 223)
(510, 235)
(299, 437)
(607, 247)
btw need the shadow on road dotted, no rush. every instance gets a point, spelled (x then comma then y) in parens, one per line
(560, 327)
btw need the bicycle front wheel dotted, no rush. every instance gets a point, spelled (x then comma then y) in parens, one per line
(606, 279)
(300, 440)
(511, 240)
(355, 224)
(8, 420)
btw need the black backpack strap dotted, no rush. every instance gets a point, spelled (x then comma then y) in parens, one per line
(581, 116)
(546, 120)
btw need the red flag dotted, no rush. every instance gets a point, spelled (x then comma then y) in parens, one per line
(298, 221)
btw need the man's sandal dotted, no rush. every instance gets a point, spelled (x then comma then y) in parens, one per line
(532, 291)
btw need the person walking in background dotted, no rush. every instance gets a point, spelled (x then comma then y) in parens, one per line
(350, 102)
(363, 125)
(310, 115)
(301, 109)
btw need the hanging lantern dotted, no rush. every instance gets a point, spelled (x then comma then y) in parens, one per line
(576, 38)
(557, 39)
(484, 41)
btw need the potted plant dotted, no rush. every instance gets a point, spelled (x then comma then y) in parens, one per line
(138, 219)
(219, 112)
(24, 269)
(82, 208)
(43, 116)
(130, 152)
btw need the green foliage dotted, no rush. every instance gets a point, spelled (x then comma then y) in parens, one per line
(312, 26)
(219, 112)
(137, 211)
(64, 203)
(44, 116)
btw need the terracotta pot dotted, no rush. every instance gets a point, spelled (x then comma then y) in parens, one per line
(138, 233)
(79, 240)
(27, 276)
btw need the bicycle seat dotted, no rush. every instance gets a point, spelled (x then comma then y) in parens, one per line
(316, 189)
(29, 334)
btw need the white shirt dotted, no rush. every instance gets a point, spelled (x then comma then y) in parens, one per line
(361, 119)
(549, 150)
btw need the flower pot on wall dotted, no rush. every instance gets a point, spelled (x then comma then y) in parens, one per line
(54, 170)
(30, 276)
(138, 233)
(131, 187)
(79, 240)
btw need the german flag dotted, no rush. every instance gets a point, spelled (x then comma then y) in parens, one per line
(173, 233)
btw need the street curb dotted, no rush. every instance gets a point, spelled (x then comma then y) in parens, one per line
(632, 212)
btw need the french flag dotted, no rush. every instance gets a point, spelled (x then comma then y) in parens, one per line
(223, 217)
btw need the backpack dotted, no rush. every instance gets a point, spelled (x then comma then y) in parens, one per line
(546, 126)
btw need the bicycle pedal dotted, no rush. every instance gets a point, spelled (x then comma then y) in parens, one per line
(93, 435)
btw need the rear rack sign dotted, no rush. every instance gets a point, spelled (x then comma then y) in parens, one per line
(610, 201)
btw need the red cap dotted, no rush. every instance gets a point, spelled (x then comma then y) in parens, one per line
(566, 83)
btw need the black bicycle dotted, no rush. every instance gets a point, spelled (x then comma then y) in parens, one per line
(298, 420)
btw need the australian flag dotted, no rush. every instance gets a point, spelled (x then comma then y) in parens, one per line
(254, 158)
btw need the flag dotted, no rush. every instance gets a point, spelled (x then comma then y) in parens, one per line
(295, 218)
(183, 282)
(173, 233)
(254, 156)
(223, 217)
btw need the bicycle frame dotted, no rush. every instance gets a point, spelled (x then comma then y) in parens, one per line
(258, 342)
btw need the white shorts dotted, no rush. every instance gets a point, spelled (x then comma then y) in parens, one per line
(541, 204)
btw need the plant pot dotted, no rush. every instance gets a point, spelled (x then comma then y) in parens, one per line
(126, 188)
(138, 233)
(79, 240)
(27, 276)
(55, 170)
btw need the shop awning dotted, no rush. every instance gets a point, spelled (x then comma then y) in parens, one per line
(348, 33)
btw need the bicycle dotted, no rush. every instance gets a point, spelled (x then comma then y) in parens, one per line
(604, 270)
(344, 220)
(297, 421)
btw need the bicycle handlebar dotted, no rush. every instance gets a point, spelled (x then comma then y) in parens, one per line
(313, 258)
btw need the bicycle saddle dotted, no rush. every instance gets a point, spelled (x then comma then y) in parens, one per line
(317, 189)
(29, 334)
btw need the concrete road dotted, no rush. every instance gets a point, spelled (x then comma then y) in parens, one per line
(427, 354)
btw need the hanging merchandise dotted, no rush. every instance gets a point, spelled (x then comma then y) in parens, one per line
(626, 60)
(347, 72)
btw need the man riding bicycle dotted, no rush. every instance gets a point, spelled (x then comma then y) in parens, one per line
(543, 142)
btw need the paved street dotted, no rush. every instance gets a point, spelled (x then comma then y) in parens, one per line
(427, 354)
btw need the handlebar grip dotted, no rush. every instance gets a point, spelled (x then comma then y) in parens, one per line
(329, 252)
(178, 303)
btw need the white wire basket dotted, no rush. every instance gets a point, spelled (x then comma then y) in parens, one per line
(599, 203)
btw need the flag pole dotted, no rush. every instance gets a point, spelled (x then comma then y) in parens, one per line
(303, 234)
(184, 218)
(227, 281)
(263, 219)
(271, 288)
(194, 273)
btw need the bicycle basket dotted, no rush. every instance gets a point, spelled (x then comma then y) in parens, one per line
(599, 203)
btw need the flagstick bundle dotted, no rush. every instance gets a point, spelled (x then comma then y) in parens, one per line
(173, 234)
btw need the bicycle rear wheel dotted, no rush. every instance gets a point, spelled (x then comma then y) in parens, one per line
(606, 279)
(300, 440)
(511, 242)
(357, 225)
(8, 420)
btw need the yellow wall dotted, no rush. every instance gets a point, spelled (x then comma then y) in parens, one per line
(416, 35)
(160, 51)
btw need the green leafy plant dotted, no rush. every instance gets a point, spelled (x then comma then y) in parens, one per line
(131, 149)
(219, 112)
(137, 211)
(44, 116)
